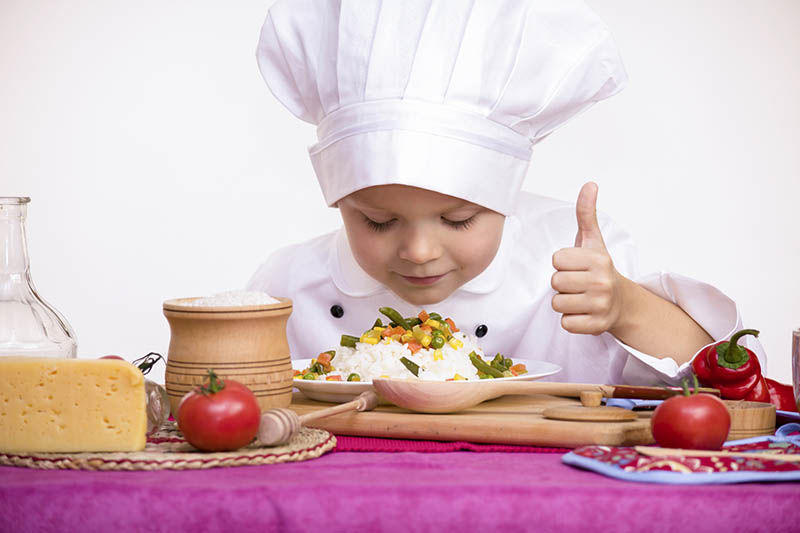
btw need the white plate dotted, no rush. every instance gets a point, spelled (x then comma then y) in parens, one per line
(345, 391)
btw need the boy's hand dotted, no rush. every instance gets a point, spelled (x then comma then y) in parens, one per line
(589, 287)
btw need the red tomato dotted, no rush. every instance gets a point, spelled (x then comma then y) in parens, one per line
(222, 415)
(699, 421)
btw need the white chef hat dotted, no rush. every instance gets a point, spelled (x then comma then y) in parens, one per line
(447, 95)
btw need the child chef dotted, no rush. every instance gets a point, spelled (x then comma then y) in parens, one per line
(427, 112)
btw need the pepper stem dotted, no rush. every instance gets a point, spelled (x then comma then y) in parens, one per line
(730, 354)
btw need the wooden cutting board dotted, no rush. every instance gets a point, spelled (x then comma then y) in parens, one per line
(506, 420)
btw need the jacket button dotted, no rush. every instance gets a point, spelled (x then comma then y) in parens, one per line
(481, 330)
(337, 311)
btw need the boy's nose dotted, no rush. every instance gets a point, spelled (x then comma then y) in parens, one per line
(419, 247)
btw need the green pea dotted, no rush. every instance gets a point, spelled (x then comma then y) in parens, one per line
(353, 377)
(310, 375)
(437, 342)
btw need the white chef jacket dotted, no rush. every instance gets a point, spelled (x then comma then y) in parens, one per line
(511, 298)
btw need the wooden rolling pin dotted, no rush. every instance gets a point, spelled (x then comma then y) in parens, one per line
(654, 451)
(278, 426)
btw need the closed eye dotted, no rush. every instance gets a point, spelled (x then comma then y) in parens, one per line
(378, 226)
(460, 224)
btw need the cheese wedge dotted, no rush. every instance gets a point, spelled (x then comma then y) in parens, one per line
(71, 405)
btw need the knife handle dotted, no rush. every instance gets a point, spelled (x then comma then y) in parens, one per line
(654, 393)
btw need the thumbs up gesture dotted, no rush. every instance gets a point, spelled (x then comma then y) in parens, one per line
(588, 287)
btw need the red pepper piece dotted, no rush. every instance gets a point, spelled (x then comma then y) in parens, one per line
(740, 389)
(781, 395)
(760, 392)
(729, 362)
(701, 368)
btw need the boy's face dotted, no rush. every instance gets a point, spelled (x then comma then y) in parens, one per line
(421, 244)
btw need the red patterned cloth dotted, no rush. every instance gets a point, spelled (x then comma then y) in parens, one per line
(629, 460)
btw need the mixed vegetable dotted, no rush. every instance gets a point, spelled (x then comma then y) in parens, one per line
(426, 331)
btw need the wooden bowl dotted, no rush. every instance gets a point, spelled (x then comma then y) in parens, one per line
(244, 343)
(750, 419)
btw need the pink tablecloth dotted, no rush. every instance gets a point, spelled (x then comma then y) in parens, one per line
(352, 491)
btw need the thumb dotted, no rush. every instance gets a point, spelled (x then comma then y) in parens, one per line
(589, 235)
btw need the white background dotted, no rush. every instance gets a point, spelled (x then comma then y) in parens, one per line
(160, 166)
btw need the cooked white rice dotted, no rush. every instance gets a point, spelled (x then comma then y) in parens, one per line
(383, 360)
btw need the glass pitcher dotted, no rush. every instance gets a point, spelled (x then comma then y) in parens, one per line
(28, 325)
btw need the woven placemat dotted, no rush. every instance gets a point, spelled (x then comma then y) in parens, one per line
(167, 450)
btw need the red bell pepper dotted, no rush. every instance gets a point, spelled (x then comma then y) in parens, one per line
(733, 369)
(781, 395)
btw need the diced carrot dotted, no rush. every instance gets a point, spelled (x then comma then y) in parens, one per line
(426, 329)
(297, 373)
(333, 378)
(324, 359)
(452, 324)
(519, 368)
(423, 315)
(391, 332)
(513, 372)
(414, 346)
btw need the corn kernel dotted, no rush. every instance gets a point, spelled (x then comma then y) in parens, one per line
(455, 343)
(369, 340)
(432, 323)
(437, 355)
(459, 377)
(378, 328)
(425, 341)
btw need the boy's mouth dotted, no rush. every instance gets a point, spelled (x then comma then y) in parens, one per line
(428, 280)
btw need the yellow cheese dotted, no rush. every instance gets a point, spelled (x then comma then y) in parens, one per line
(71, 405)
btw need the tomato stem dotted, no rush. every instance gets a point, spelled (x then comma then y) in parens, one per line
(214, 385)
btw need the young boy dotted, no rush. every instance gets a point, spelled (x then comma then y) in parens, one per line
(427, 112)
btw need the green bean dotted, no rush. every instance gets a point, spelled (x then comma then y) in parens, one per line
(410, 365)
(437, 342)
(317, 368)
(332, 353)
(413, 321)
(435, 316)
(378, 323)
(394, 316)
(482, 366)
(349, 340)
(497, 363)
(353, 377)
